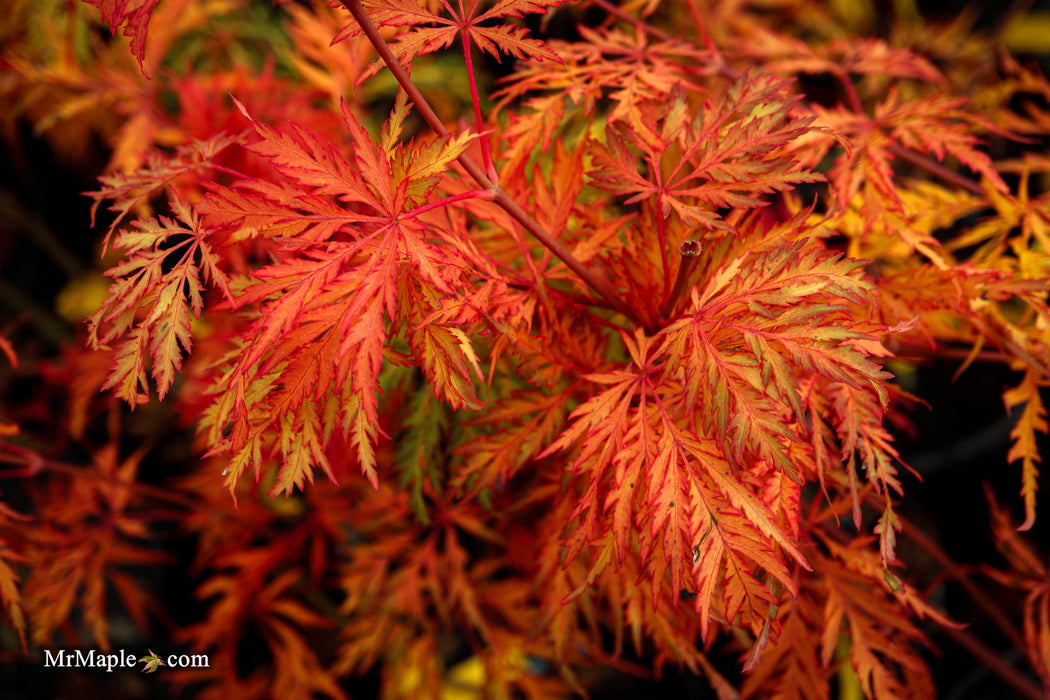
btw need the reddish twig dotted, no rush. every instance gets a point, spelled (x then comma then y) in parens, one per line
(990, 660)
(957, 574)
(935, 168)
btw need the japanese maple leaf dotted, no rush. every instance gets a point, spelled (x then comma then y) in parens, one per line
(751, 337)
(782, 53)
(130, 190)
(431, 31)
(9, 593)
(1028, 574)
(653, 478)
(936, 124)
(133, 15)
(152, 662)
(697, 161)
(1025, 447)
(329, 305)
(171, 299)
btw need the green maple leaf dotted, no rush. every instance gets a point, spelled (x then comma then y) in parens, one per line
(152, 662)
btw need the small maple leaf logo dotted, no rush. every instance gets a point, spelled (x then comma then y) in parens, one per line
(152, 662)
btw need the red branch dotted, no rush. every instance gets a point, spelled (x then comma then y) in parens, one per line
(595, 281)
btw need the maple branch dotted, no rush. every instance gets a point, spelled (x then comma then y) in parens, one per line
(486, 153)
(34, 463)
(935, 168)
(595, 281)
(991, 661)
(640, 24)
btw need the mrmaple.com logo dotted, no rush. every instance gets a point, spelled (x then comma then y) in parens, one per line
(79, 658)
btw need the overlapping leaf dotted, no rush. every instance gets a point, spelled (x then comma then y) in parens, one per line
(133, 16)
(170, 262)
(430, 32)
(357, 241)
(762, 322)
(650, 479)
(727, 154)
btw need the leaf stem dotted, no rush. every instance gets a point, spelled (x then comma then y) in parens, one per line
(694, 11)
(486, 153)
(595, 281)
(852, 96)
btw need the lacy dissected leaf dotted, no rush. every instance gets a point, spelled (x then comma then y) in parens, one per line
(925, 209)
(859, 558)
(759, 325)
(862, 435)
(1025, 447)
(258, 209)
(134, 16)
(881, 639)
(783, 53)
(937, 125)
(132, 190)
(651, 479)
(523, 424)
(1021, 225)
(74, 565)
(247, 593)
(430, 32)
(927, 302)
(734, 552)
(694, 161)
(940, 126)
(601, 427)
(627, 67)
(404, 580)
(790, 666)
(158, 293)
(357, 261)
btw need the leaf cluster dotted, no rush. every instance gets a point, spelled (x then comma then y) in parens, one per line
(606, 360)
